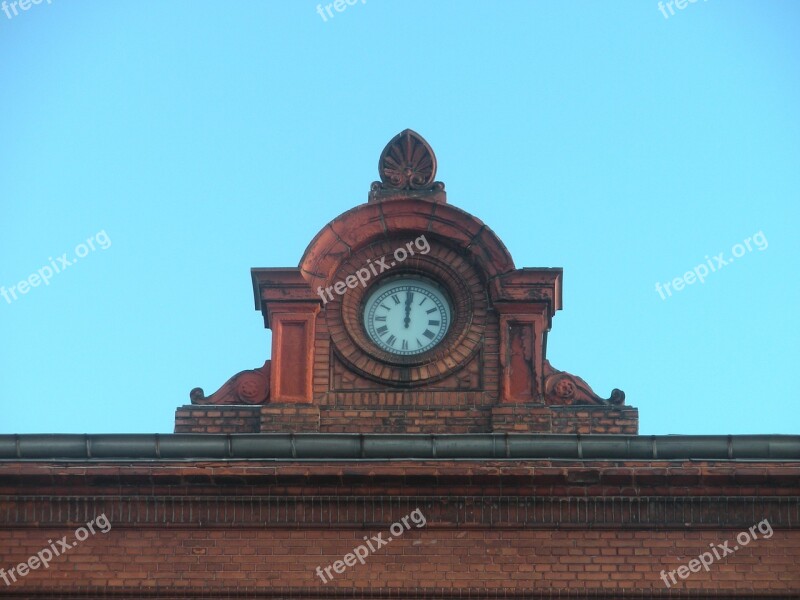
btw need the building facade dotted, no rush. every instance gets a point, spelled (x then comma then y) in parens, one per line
(407, 438)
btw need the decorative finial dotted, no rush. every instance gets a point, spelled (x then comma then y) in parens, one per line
(407, 168)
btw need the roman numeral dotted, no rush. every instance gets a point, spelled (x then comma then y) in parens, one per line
(396, 299)
(384, 306)
(405, 345)
(381, 330)
(380, 318)
(423, 301)
(391, 340)
(419, 344)
(433, 323)
(432, 310)
(429, 334)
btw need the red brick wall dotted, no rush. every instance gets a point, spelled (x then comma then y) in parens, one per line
(404, 420)
(217, 419)
(295, 418)
(515, 418)
(450, 560)
(520, 528)
(393, 412)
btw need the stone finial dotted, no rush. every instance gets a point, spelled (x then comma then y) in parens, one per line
(407, 168)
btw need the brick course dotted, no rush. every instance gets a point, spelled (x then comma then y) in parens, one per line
(452, 561)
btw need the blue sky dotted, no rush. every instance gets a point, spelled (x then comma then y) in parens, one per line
(195, 140)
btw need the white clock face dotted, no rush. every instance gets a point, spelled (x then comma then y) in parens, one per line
(406, 316)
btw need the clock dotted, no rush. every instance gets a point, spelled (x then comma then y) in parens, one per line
(407, 315)
(361, 349)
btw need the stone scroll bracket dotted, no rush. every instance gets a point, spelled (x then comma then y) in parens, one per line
(562, 388)
(246, 387)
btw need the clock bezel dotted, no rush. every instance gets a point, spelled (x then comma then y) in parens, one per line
(464, 287)
(370, 292)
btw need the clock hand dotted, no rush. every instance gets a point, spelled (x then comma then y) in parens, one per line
(409, 300)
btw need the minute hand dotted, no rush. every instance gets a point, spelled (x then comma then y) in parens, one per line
(409, 300)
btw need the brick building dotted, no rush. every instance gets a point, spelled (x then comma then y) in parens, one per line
(408, 438)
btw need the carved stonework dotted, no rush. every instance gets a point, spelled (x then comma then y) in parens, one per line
(407, 164)
(564, 388)
(247, 387)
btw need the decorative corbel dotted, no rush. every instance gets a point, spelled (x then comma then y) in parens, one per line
(246, 387)
(564, 388)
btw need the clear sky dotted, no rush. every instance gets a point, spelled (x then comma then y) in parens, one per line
(193, 140)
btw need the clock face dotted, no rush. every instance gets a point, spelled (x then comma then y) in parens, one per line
(406, 316)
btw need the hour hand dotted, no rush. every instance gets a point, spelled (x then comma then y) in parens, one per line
(409, 300)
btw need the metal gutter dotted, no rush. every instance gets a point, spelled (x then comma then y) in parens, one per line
(354, 446)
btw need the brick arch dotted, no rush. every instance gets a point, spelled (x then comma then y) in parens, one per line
(367, 223)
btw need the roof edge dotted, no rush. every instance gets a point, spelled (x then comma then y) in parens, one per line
(357, 446)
